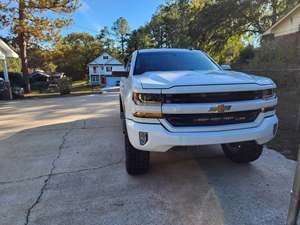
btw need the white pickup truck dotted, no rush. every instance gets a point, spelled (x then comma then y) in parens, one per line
(178, 97)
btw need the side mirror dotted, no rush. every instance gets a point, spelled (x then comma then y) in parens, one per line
(226, 67)
(120, 73)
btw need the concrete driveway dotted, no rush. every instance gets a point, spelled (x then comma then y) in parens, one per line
(62, 163)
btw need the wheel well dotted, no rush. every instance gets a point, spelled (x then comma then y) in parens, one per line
(121, 104)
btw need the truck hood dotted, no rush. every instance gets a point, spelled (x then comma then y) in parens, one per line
(164, 80)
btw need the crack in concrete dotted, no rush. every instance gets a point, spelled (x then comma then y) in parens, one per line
(89, 169)
(61, 129)
(62, 173)
(46, 181)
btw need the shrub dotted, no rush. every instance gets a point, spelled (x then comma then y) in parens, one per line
(246, 55)
(64, 85)
(275, 54)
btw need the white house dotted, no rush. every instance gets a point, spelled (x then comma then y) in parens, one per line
(285, 33)
(5, 53)
(100, 70)
(288, 25)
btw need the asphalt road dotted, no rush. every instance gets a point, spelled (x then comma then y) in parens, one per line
(62, 163)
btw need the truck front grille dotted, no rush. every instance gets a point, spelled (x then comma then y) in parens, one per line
(211, 119)
(213, 97)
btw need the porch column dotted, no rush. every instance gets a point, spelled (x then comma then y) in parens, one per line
(6, 78)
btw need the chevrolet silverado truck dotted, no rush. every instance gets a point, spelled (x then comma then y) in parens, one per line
(179, 97)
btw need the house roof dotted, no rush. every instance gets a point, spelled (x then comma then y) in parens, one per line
(6, 51)
(269, 31)
(110, 61)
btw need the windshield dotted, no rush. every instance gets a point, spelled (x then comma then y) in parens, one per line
(173, 61)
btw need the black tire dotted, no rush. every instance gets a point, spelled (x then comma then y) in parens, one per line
(137, 161)
(121, 107)
(122, 117)
(65, 92)
(243, 152)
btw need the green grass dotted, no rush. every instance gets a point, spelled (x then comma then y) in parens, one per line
(81, 87)
(79, 83)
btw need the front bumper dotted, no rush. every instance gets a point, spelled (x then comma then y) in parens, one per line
(161, 140)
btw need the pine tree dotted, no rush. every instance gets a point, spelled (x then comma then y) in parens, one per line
(35, 21)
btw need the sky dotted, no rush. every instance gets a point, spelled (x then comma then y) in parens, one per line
(95, 14)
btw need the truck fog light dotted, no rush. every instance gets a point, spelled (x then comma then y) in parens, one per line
(143, 138)
(148, 115)
(275, 127)
(268, 109)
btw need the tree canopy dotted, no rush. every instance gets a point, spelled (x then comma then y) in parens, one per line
(35, 21)
(216, 26)
(219, 27)
(121, 31)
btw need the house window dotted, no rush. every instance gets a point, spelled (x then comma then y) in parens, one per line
(95, 69)
(102, 68)
(108, 69)
(105, 57)
(95, 79)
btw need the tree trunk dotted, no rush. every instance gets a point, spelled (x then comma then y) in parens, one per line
(23, 45)
(122, 46)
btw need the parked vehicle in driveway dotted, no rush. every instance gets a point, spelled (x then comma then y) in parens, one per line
(177, 97)
(16, 82)
(2, 88)
(2, 84)
(17, 92)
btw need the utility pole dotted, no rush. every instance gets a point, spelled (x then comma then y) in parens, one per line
(295, 197)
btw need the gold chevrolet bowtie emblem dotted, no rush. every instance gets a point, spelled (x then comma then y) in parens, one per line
(220, 108)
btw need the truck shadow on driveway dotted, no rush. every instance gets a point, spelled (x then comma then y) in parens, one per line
(256, 193)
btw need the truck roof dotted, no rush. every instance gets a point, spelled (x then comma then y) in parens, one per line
(165, 50)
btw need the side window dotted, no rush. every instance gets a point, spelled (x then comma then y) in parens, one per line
(94, 69)
(108, 69)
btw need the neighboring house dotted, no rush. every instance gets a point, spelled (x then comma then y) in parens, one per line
(100, 70)
(286, 28)
(5, 53)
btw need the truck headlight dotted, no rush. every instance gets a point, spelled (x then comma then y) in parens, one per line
(268, 93)
(146, 99)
